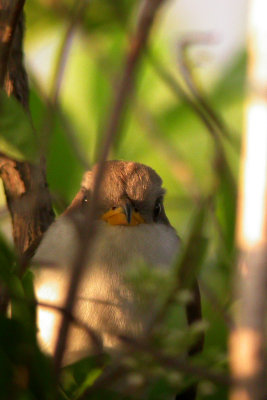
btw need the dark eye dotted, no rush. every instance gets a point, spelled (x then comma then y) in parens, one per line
(157, 210)
(85, 200)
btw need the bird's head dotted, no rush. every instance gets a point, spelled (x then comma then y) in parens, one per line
(130, 194)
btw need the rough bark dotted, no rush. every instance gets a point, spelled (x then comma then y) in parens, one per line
(25, 185)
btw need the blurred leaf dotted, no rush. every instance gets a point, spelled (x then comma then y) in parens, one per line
(21, 308)
(105, 14)
(17, 137)
(94, 64)
(28, 284)
(231, 87)
(28, 287)
(160, 389)
(92, 375)
(81, 375)
(20, 359)
(64, 171)
(24, 371)
(193, 251)
(101, 96)
(7, 256)
(226, 196)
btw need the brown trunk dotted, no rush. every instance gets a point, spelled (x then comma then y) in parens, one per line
(26, 190)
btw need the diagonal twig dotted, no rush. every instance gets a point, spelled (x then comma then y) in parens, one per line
(179, 91)
(75, 17)
(178, 167)
(87, 230)
(118, 370)
(183, 45)
(77, 14)
(69, 129)
(216, 304)
(221, 162)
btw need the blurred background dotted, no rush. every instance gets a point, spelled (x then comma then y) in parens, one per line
(95, 59)
(74, 63)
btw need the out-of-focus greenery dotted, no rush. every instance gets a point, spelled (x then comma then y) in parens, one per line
(159, 130)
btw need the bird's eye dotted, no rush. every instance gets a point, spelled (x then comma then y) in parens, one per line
(157, 210)
(85, 200)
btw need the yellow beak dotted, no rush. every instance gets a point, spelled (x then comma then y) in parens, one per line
(123, 216)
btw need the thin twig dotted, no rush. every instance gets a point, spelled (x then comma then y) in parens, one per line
(8, 23)
(221, 161)
(91, 333)
(178, 363)
(66, 123)
(77, 14)
(75, 18)
(88, 230)
(180, 170)
(118, 370)
(186, 265)
(216, 304)
(178, 90)
(110, 375)
(183, 45)
(97, 342)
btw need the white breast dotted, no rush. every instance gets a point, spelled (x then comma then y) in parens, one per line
(105, 301)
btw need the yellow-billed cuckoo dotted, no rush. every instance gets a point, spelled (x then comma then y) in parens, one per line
(132, 227)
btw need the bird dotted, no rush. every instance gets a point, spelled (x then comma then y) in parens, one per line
(132, 229)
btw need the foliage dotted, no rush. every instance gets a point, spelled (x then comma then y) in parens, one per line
(160, 130)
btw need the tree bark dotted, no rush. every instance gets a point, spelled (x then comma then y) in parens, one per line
(25, 185)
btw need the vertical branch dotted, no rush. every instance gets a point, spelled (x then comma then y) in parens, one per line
(87, 231)
(75, 17)
(27, 195)
(136, 49)
(248, 341)
(192, 101)
(9, 23)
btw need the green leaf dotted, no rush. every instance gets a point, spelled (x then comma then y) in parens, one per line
(17, 137)
(77, 377)
(7, 257)
(92, 375)
(25, 372)
(226, 196)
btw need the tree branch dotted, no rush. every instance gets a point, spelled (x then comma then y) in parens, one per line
(87, 231)
(27, 195)
(187, 42)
